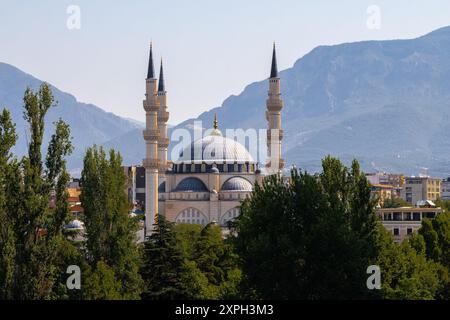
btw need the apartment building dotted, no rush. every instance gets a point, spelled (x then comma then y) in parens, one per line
(403, 222)
(445, 189)
(421, 188)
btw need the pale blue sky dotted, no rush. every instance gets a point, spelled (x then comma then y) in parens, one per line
(211, 49)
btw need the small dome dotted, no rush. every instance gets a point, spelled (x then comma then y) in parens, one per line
(214, 170)
(191, 184)
(237, 184)
(75, 225)
(162, 187)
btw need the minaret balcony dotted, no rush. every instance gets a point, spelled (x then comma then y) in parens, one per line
(150, 106)
(150, 163)
(274, 105)
(279, 134)
(163, 142)
(280, 164)
(163, 116)
(163, 168)
(150, 134)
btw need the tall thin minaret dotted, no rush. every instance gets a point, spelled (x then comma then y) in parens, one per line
(274, 163)
(151, 135)
(163, 117)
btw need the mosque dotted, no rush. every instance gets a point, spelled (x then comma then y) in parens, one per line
(213, 174)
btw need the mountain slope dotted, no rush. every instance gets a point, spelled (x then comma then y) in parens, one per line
(89, 124)
(386, 103)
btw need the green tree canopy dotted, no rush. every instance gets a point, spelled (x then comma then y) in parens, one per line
(164, 271)
(111, 234)
(33, 205)
(309, 238)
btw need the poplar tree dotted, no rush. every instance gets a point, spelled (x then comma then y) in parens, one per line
(111, 234)
(8, 139)
(33, 208)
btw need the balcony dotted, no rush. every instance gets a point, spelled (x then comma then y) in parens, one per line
(150, 163)
(151, 134)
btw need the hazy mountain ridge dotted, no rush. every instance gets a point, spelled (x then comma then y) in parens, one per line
(387, 103)
(89, 124)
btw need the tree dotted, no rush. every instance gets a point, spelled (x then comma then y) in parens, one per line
(310, 238)
(164, 271)
(111, 234)
(8, 139)
(406, 272)
(101, 284)
(34, 209)
(435, 234)
(395, 203)
(210, 261)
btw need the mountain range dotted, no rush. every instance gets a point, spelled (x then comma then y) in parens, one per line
(385, 103)
(89, 124)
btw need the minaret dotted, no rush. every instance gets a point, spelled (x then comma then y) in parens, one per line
(163, 117)
(151, 135)
(274, 163)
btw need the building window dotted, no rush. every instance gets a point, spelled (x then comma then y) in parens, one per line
(429, 215)
(229, 216)
(192, 216)
(409, 231)
(396, 232)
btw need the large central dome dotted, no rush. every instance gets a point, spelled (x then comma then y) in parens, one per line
(215, 149)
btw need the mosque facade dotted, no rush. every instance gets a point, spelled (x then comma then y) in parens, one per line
(211, 176)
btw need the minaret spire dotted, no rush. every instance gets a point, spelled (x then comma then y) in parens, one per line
(216, 123)
(151, 69)
(151, 136)
(274, 69)
(274, 163)
(163, 117)
(161, 78)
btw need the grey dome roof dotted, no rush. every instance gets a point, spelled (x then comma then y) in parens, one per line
(237, 184)
(214, 170)
(162, 187)
(75, 225)
(191, 184)
(214, 149)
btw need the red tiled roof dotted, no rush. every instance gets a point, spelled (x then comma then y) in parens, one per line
(76, 208)
(73, 199)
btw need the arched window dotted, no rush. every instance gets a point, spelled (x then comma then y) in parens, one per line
(191, 216)
(229, 216)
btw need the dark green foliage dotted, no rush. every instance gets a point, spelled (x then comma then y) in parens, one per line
(311, 238)
(111, 233)
(8, 139)
(406, 273)
(189, 262)
(211, 261)
(436, 237)
(164, 272)
(101, 284)
(395, 203)
(31, 236)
